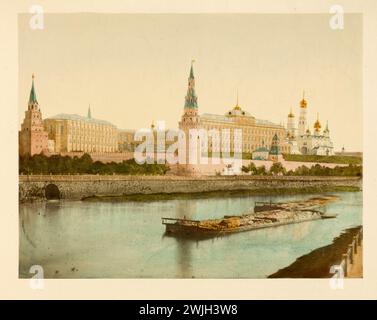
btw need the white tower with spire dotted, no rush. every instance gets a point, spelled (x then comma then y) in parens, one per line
(291, 130)
(302, 123)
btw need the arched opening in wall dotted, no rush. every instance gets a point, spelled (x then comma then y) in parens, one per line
(304, 150)
(52, 192)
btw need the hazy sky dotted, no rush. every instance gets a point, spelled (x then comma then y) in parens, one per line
(133, 68)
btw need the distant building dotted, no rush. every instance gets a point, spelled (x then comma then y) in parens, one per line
(304, 142)
(260, 153)
(75, 133)
(126, 141)
(33, 139)
(349, 153)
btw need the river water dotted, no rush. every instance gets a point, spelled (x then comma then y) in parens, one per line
(74, 239)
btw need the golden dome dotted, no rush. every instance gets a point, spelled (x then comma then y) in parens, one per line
(303, 102)
(237, 107)
(290, 114)
(317, 124)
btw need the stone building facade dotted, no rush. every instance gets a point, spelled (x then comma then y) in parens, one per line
(75, 133)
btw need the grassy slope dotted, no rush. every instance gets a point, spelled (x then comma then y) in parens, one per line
(214, 194)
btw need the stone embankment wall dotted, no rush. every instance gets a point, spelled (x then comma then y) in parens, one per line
(76, 187)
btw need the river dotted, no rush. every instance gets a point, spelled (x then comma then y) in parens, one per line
(74, 239)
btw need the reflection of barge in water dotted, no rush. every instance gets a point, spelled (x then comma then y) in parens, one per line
(265, 215)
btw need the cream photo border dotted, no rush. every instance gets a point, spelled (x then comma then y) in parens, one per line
(11, 287)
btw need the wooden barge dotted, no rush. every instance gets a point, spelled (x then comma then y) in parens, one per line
(264, 215)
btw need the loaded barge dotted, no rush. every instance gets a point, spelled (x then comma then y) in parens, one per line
(264, 215)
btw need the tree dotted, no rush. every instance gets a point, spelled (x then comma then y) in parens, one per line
(277, 168)
(261, 171)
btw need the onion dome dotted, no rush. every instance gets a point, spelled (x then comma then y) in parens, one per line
(303, 102)
(317, 124)
(290, 114)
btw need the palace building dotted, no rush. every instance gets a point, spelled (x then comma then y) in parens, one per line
(256, 133)
(75, 133)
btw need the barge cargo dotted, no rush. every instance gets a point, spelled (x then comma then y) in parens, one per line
(264, 215)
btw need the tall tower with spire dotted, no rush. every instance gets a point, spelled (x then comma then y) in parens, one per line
(32, 137)
(190, 118)
(302, 118)
(291, 125)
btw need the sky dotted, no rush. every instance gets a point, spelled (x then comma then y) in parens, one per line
(132, 68)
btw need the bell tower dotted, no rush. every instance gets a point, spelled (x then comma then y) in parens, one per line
(302, 124)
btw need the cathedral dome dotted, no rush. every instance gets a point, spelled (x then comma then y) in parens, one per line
(317, 124)
(237, 111)
(303, 102)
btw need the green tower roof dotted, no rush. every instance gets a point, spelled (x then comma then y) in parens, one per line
(191, 100)
(33, 96)
(192, 72)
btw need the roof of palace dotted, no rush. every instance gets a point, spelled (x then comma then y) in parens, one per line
(226, 118)
(261, 149)
(267, 123)
(217, 117)
(76, 117)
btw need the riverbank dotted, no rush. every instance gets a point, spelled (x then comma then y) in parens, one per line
(219, 194)
(77, 187)
(317, 263)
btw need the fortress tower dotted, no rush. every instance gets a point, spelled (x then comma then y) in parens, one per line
(190, 118)
(32, 137)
